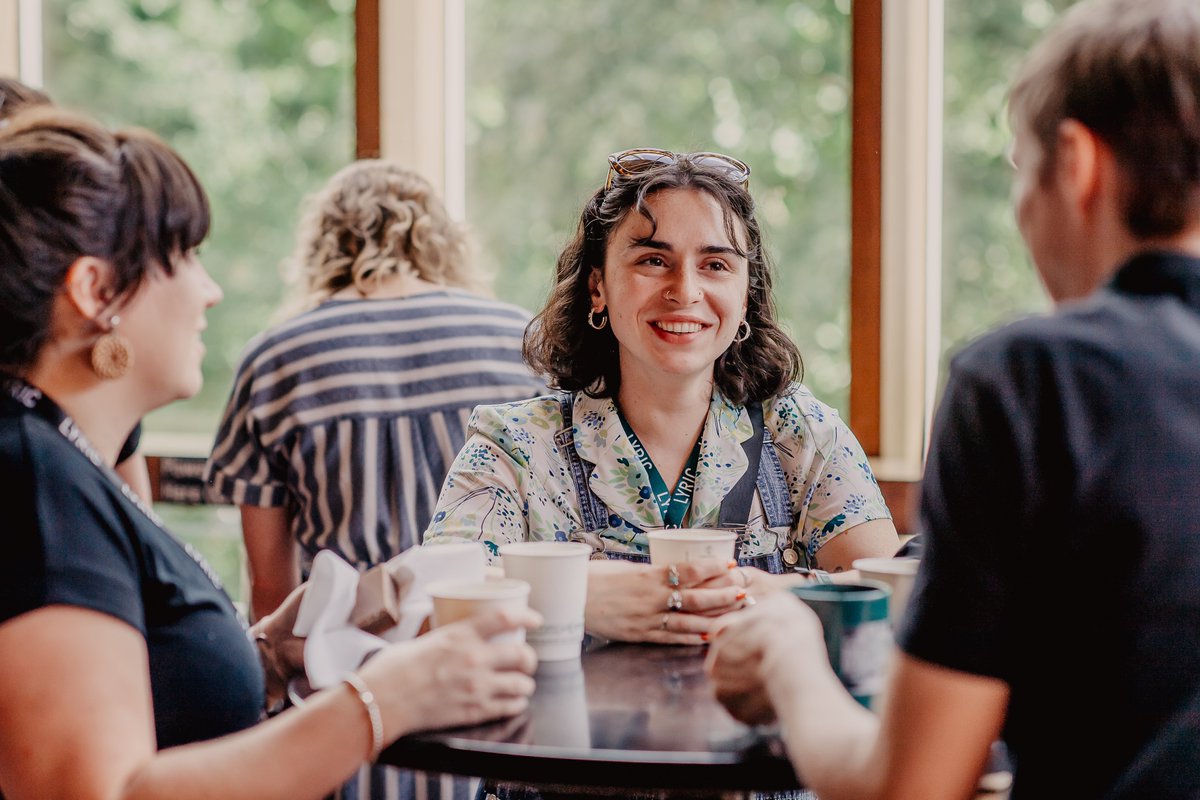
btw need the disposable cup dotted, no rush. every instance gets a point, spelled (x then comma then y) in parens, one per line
(679, 545)
(898, 573)
(557, 576)
(455, 600)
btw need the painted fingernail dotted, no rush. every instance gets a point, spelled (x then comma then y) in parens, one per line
(740, 596)
(704, 636)
(731, 565)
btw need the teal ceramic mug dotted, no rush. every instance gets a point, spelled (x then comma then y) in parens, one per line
(858, 636)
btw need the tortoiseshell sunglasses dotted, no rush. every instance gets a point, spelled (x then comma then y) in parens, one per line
(640, 159)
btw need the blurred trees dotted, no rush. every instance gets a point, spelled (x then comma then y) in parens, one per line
(257, 95)
(987, 276)
(554, 87)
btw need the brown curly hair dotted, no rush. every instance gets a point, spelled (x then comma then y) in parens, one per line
(374, 218)
(561, 344)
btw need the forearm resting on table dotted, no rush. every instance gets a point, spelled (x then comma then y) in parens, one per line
(75, 708)
(253, 765)
(876, 538)
(830, 738)
(930, 742)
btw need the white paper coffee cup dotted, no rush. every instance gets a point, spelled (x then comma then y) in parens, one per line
(898, 573)
(557, 576)
(454, 600)
(680, 545)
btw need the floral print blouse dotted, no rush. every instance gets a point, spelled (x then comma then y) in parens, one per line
(511, 483)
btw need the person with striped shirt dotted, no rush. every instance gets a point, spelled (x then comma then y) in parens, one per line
(344, 420)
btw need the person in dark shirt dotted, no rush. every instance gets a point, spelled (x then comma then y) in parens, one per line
(130, 464)
(1058, 601)
(125, 670)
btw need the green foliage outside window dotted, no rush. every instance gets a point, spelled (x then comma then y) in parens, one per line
(257, 96)
(987, 276)
(554, 87)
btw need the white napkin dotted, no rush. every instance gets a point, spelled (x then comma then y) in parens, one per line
(333, 646)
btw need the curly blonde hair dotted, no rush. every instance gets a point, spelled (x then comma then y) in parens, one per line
(374, 219)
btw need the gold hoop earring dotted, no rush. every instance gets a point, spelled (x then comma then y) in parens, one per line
(591, 319)
(112, 354)
(741, 337)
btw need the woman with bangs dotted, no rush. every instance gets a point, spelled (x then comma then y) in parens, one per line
(125, 671)
(679, 406)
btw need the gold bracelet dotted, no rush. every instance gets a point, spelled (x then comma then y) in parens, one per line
(368, 700)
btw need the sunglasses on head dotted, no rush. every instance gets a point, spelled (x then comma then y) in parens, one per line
(641, 159)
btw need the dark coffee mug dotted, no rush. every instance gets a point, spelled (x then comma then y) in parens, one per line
(858, 637)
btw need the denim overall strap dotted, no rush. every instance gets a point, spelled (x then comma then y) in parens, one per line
(772, 490)
(735, 507)
(772, 485)
(593, 510)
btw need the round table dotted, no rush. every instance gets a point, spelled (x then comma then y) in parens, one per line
(622, 717)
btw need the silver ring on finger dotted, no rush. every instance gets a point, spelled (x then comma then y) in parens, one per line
(748, 601)
(673, 576)
(663, 623)
(675, 601)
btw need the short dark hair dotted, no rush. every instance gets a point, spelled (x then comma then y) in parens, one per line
(71, 188)
(559, 342)
(1128, 70)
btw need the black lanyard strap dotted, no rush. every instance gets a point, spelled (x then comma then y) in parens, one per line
(735, 508)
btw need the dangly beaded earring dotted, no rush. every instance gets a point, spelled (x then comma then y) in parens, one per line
(112, 354)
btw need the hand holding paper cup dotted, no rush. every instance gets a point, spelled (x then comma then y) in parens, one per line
(680, 545)
(557, 575)
(457, 600)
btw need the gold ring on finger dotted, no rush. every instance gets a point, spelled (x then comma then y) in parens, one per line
(675, 601)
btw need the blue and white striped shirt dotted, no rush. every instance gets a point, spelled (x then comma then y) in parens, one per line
(351, 414)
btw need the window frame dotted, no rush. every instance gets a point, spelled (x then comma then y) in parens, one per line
(410, 106)
(895, 186)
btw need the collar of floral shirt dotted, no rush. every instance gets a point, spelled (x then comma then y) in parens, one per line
(618, 478)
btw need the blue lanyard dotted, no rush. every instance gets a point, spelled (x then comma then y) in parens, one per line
(673, 505)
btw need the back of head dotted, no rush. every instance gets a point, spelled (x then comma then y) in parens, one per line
(71, 188)
(15, 96)
(1128, 70)
(375, 219)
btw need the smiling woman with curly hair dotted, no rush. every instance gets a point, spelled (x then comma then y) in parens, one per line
(680, 406)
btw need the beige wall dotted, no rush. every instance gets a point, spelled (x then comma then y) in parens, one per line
(10, 53)
(421, 65)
